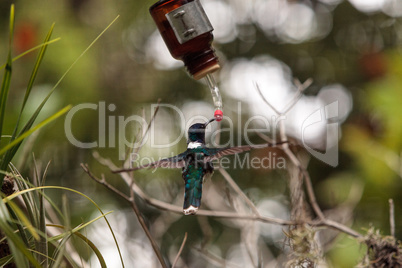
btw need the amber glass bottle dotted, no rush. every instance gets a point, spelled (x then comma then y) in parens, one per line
(187, 33)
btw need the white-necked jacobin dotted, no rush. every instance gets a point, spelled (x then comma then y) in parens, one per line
(196, 164)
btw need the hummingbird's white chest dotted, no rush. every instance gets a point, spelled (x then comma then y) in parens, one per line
(193, 145)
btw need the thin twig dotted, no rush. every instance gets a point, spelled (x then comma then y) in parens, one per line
(311, 195)
(300, 89)
(339, 227)
(149, 125)
(392, 216)
(265, 100)
(180, 250)
(137, 149)
(104, 183)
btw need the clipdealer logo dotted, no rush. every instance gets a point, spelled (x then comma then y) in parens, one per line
(112, 129)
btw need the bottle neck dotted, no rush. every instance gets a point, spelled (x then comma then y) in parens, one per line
(201, 63)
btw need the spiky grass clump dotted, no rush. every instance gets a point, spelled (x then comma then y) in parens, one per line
(382, 251)
(28, 236)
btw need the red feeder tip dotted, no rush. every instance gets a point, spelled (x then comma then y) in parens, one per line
(218, 115)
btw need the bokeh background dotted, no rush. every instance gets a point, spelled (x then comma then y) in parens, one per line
(351, 49)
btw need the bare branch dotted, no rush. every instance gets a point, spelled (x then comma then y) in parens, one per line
(310, 193)
(300, 89)
(149, 126)
(340, 227)
(104, 183)
(265, 100)
(180, 250)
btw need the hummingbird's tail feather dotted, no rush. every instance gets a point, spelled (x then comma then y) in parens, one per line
(192, 196)
(190, 210)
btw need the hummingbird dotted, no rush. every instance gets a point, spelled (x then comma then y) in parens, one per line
(196, 164)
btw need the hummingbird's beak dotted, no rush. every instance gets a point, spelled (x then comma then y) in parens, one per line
(206, 124)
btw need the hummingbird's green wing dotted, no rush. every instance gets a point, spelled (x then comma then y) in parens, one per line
(216, 153)
(177, 161)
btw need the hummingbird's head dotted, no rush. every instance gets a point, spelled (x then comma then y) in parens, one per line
(196, 133)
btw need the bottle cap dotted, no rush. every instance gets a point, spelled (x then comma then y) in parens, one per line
(218, 115)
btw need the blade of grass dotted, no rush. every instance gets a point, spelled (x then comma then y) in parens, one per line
(5, 260)
(42, 245)
(58, 255)
(20, 185)
(5, 86)
(35, 71)
(21, 216)
(28, 198)
(88, 242)
(18, 226)
(18, 248)
(84, 52)
(31, 50)
(18, 141)
(78, 228)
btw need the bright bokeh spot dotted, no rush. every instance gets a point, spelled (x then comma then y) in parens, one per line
(223, 20)
(158, 53)
(368, 5)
